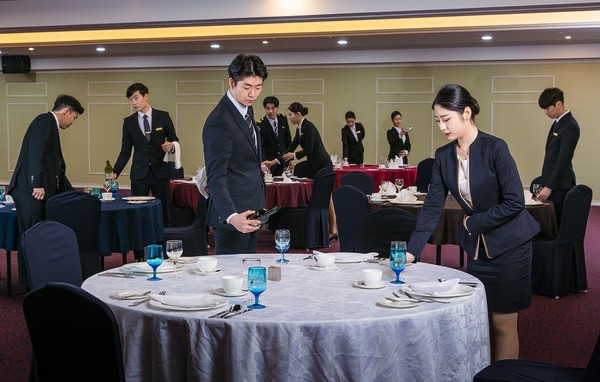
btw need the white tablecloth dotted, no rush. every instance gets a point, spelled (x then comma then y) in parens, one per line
(316, 327)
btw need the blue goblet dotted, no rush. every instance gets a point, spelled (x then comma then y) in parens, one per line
(114, 188)
(257, 283)
(398, 259)
(154, 258)
(282, 243)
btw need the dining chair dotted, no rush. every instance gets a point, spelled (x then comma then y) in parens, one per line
(50, 252)
(424, 170)
(379, 228)
(192, 236)
(302, 170)
(517, 370)
(80, 211)
(175, 173)
(351, 205)
(558, 265)
(360, 180)
(309, 226)
(74, 335)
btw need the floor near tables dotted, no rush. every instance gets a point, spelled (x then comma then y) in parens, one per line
(560, 331)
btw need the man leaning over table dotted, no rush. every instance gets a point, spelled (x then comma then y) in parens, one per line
(40, 171)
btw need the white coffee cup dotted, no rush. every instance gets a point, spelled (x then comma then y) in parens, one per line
(412, 188)
(207, 264)
(376, 196)
(325, 259)
(232, 284)
(372, 277)
(107, 195)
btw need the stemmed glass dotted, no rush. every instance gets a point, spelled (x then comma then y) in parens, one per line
(174, 251)
(398, 259)
(107, 185)
(282, 243)
(248, 262)
(257, 283)
(154, 258)
(399, 184)
(536, 188)
(114, 188)
(2, 196)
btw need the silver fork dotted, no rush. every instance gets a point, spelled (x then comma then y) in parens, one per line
(162, 293)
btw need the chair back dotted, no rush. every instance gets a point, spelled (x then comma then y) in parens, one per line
(302, 170)
(175, 173)
(321, 191)
(377, 229)
(69, 328)
(351, 205)
(50, 252)
(592, 370)
(576, 210)
(360, 180)
(193, 236)
(424, 170)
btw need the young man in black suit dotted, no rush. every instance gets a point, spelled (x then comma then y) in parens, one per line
(40, 171)
(233, 156)
(352, 135)
(276, 136)
(150, 133)
(558, 176)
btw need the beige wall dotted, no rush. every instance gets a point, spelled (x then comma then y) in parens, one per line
(506, 92)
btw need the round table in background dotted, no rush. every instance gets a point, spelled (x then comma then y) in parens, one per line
(408, 173)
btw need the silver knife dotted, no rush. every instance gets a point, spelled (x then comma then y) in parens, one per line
(236, 313)
(116, 275)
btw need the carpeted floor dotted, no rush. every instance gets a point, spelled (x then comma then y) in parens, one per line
(561, 331)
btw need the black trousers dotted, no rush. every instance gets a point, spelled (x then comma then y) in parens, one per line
(230, 242)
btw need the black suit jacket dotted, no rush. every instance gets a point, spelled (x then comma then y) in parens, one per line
(557, 169)
(312, 147)
(41, 163)
(351, 147)
(497, 220)
(274, 146)
(233, 170)
(396, 144)
(145, 152)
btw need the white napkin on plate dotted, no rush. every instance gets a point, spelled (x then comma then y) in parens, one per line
(405, 196)
(184, 300)
(435, 288)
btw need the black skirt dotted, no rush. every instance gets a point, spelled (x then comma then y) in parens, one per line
(507, 278)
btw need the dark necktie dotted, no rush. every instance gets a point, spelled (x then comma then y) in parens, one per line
(275, 128)
(146, 128)
(251, 126)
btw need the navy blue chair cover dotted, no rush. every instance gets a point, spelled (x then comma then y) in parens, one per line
(69, 328)
(193, 237)
(50, 252)
(514, 370)
(424, 170)
(79, 211)
(360, 180)
(302, 170)
(309, 226)
(351, 205)
(379, 228)
(175, 173)
(558, 265)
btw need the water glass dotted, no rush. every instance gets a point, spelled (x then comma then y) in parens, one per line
(174, 251)
(114, 188)
(257, 283)
(248, 262)
(399, 184)
(282, 243)
(535, 189)
(2, 197)
(397, 259)
(154, 258)
(96, 192)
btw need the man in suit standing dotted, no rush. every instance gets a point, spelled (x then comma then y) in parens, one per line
(233, 156)
(41, 170)
(352, 135)
(276, 136)
(558, 176)
(150, 132)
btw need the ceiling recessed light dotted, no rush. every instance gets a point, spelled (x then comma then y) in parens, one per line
(342, 41)
(215, 46)
(265, 42)
(31, 49)
(486, 37)
(100, 49)
(567, 37)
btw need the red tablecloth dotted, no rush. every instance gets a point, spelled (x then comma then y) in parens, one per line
(409, 174)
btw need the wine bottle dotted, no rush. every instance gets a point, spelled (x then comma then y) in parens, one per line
(108, 170)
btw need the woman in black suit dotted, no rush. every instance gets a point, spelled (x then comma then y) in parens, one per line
(353, 134)
(398, 139)
(479, 171)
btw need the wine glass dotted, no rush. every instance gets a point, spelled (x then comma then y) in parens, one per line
(107, 185)
(536, 188)
(2, 196)
(154, 258)
(398, 259)
(399, 184)
(248, 262)
(257, 283)
(282, 243)
(114, 188)
(174, 251)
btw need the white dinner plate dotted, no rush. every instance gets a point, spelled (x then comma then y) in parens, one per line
(219, 302)
(130, 294)
(416, 202)
(139, 198)
(402, 304)
(533, 203)
(461, 290)
(361, 284)
(146, 269)
(352, 257)
(137, 201)
(282, 182)
(316, 267)
(202, 273)
(417, 193)
(221, 292)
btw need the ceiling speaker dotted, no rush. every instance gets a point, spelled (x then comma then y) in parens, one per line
(16, 64)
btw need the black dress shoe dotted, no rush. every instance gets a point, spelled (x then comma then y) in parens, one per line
(335, 236)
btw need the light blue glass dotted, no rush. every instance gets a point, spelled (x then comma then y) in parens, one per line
(282, 243)
(114, 188)
(154, 258)
(96, 192)
(257, 283)
(2, 197)
(397, 259)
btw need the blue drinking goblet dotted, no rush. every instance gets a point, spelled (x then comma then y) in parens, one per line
(397, 259)
(154, 258)
(257, 283)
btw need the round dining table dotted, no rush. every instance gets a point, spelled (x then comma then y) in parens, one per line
(318, 325)
(408, 173)
(9, 239)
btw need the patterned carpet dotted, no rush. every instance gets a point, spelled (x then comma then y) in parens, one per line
(561, 331)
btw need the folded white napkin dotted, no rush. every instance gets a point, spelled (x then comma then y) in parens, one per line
(435, 288)
(405, 196)
(177, 153)
(201, 183)
(184, 300)
(528, 196)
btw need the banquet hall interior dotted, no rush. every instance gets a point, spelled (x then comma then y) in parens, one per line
(334, 56)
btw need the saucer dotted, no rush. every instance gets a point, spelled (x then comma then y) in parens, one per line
(401, 304)
(202, 273)
(221, 292)
(107, 200)
(315, 267)
(361, 284)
